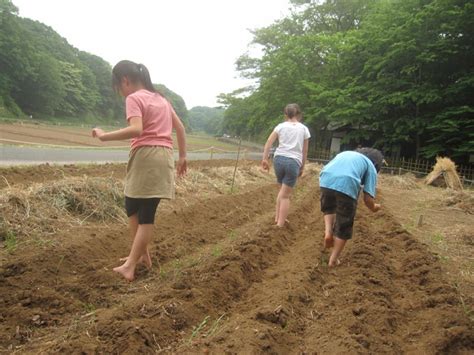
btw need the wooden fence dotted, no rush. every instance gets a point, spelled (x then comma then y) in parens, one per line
(401, 166)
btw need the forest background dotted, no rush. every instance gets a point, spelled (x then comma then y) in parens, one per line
(394, 73)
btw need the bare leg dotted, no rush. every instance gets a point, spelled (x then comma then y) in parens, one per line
(284, 196)
(329, 220)
(277, 209)
(139, 248)
(338, 246)
(133, 224)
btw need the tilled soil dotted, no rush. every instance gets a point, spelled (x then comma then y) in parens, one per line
(225, 280)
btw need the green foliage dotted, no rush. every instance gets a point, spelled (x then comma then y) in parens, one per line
(207, 119)
(6, 6)
(42, 75)
(10, 241)
(177, 101)
(396, 71)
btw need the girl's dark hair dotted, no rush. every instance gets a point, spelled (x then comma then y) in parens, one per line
(136, 73)
(375, 156)
(292, 110)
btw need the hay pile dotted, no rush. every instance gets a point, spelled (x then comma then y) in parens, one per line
(462, 200)
(444, 171)
(313, 168)
(44, 209)
(406, 182)
(218, 180)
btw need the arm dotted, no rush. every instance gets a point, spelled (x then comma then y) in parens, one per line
(305, 155)
(370, 203)
(134, 129)
(181, 136)
(271, 139)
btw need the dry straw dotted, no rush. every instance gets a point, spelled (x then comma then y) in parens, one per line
(406, 182)
(445, 169)
(46, 208)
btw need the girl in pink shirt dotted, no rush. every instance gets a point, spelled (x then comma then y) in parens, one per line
(150, 168)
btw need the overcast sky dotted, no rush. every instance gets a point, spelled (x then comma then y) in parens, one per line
(188, 45)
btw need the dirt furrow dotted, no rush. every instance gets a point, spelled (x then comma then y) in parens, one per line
(64, 287)
(388, 296)
(205, 284)
(226, 281)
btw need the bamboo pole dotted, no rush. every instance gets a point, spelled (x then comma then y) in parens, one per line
(236, 162)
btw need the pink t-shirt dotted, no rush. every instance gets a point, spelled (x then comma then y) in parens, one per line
(156, 114)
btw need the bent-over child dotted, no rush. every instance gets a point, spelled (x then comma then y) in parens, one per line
(289, 158)
(340, 183)
(150, 168)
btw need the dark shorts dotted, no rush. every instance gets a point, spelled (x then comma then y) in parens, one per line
(286, 170)
(344, 207)
(144, 207)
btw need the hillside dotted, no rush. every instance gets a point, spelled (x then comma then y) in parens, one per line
(43, 76)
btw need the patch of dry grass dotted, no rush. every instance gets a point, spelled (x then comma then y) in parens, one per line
(405, 182)
(43, 208)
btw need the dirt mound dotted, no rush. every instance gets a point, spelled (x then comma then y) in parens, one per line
(226, 281)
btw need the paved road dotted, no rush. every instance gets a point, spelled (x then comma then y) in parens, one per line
(13, 155)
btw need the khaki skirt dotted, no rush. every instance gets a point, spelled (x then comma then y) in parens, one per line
(150, 173)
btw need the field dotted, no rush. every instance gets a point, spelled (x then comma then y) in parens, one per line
(76, 136)
(224, 279)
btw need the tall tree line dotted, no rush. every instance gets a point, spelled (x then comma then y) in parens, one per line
(42, 75)
(399, 72)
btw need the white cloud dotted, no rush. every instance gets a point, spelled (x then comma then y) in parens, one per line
(190, 46)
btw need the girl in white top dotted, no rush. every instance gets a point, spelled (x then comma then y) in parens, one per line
(289, 158)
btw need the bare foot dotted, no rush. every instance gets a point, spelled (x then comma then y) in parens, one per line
(287, 222)
(126, 271)
(328, 242)
(145, 259)
(336, 263)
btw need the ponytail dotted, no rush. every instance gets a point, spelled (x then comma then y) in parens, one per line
(145, 78)
(136, 73)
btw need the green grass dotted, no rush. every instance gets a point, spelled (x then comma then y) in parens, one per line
(232, 234)
(443, 258)
(437, 238)
(197, 329)
(216, 251)
(214, 326)
(89, 307)
(10, 241)
(175, 270)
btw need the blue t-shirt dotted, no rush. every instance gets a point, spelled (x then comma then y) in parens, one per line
(347, 172)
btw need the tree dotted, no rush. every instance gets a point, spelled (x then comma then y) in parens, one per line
(6, 6)
(398, 72)
(42, 75)
(177, 101)
(207, 119)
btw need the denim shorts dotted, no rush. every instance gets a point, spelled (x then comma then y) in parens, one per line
(286, 170)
